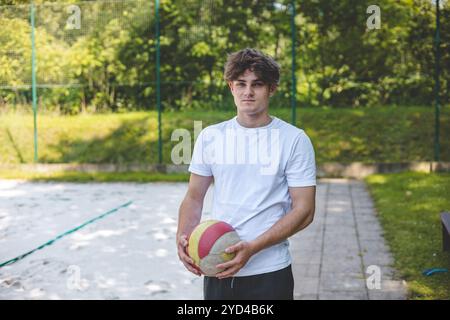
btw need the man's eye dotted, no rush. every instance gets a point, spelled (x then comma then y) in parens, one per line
(258, 84)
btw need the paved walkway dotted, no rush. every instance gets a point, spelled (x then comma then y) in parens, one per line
(340, 255)
(132, 255)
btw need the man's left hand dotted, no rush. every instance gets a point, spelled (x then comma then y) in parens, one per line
(243, 251)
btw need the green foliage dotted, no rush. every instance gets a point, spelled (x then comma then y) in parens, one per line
(109, 64)
(354, 66)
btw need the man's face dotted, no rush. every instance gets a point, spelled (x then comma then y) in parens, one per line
(251, 95)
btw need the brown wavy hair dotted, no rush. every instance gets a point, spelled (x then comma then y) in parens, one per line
(264, 66)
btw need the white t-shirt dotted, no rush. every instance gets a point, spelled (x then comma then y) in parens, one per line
(252, 169)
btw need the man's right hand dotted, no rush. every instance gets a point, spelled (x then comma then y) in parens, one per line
(182, 243)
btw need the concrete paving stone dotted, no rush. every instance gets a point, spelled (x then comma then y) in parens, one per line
(306, 285)
(344, 258)
(366, 218)
(315, 226)
(344, 216)
(314, 233)
(365, 231)
(307, 258)
(333, 240)
(305, 242)
(374, 245)
(338, 188)
(362, 213)
(370, 235)
(368, 226)
(338, 205)
(359, 192)
(307, 252)
(363, 205)
(334, 281)
(337, 249)
(347, 267)
(349, 241)
(340, 227)
(337, 198)
(300, 296)
(312, 248)
(337, 192)
(341, 244)
(390, 290)
(341, 253)
(338, 211)
(336, 229)
(360, 196)
(307, 270)
(379, 259)
(302, 244)
(339, 218)
(341, 257)
(341, 221)
(343, 295)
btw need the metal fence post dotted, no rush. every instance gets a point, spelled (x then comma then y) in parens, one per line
(437, 86)
(33, 80)
(158, 81)
(294, 79)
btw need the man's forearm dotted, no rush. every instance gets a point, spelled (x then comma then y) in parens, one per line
(294, 221)
(189, 215)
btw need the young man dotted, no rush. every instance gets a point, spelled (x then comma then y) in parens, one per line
(264, 185)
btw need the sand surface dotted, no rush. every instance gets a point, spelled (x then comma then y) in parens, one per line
(130, 254)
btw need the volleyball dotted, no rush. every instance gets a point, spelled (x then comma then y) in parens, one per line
(207, 244)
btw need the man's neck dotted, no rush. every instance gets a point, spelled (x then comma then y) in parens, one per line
(253, 121)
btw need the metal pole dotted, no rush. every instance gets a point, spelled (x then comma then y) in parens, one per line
(437, 86)
(33, 81)
(158, 82)
(294, 79)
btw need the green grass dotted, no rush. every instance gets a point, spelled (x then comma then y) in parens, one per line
(384, 134)
(72, 176)
(409, 206)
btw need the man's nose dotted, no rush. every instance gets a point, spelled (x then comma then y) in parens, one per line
(248, 91)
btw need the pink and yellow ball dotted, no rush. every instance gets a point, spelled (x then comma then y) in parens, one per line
(207, 244)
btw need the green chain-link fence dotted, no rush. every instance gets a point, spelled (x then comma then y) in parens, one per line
(151, 55)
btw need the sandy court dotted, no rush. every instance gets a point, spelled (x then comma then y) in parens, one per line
(129, 254)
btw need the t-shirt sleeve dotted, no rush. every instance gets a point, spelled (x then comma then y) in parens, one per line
(198, 164)
(301, 166)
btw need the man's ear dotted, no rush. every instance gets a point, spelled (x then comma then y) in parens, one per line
(230, 85)
(272, 89)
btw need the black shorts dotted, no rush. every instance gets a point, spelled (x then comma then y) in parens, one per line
(277, 285)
